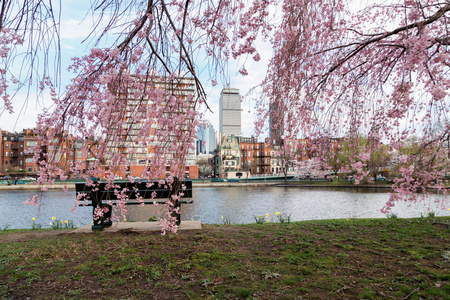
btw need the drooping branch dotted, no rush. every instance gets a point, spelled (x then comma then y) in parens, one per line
(381, 36)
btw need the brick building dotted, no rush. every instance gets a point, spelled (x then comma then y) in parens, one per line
(16, 153)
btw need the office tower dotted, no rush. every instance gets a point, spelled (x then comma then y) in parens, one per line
(230, 112)
(205, 143)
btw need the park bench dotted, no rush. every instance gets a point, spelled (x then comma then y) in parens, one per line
(99, 197)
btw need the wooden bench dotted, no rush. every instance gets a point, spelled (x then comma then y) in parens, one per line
(101, 198)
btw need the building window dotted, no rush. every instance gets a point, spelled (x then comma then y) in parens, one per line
(6, 146)
(20, 162)
(29, 169)
(6, 153)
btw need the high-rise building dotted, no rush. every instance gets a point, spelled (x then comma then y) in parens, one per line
(148, 135)
(230, 112)
(206, 136)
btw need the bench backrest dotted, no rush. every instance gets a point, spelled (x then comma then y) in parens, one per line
(160, 191)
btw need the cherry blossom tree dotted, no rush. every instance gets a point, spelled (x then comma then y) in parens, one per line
(380, 72)
(139, 90)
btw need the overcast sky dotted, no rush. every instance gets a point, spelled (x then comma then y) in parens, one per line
(74, 29)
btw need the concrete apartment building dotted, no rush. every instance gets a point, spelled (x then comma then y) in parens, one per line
(139, 152)
(230, 112)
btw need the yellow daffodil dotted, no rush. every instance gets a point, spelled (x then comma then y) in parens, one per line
(259, 216)
(277, 213)
(267, 215)
(60, 221)
(346, 219)
(222, 217)
(267, 221)
(53, 218)
(33, 219)
(66, 221)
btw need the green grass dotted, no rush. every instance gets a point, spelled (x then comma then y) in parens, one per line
(364, 258)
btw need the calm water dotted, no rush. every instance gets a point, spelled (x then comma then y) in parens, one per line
(240, 204)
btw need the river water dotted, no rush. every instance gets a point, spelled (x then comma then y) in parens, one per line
(238, 204)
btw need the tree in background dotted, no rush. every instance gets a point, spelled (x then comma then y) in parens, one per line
(204, 167)
(360, 157)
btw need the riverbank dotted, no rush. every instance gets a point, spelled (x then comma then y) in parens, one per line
(369, 258)
(71, 186)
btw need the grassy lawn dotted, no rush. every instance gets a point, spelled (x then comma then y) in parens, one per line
(365, 258)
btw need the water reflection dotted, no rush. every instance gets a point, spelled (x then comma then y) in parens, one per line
(240, 204)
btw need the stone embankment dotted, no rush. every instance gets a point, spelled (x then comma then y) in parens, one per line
(213, 184)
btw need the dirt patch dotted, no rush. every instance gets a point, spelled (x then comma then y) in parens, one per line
(33, 235)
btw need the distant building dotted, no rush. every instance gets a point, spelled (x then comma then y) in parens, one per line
(206, 139)
(276, 124)
(16, 153)
(163, 138)
(230, 112)
(228, 155)
(255, 156)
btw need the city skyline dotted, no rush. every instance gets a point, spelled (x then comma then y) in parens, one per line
(75, 26)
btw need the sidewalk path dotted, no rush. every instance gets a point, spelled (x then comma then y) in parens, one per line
(141, 227)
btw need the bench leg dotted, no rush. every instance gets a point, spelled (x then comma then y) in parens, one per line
(104, 221)
(177, 215)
